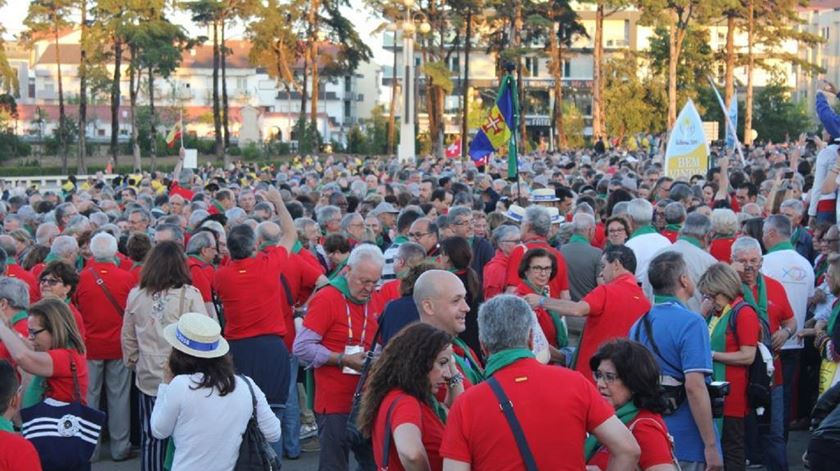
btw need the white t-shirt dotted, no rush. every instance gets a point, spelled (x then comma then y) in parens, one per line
(825, 159)
(797, 276)
(207, 428)
(644, 246)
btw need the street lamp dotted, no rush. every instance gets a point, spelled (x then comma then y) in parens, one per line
(411, 23)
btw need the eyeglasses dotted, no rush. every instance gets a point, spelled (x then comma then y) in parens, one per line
(616, 231)
(417, 235)
(608, 377)
(463, 222)
(49, 281)
(749, 263)
(34, 333)
(539, 268)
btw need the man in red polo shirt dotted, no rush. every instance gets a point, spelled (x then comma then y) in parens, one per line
(770, 301)
(610, 309)
(202, 251)
(554, 407)
(16, 452)
(255, 306)
(535, 228)
(100, 297)
(13, 270)
(337, 332)
(14, 300)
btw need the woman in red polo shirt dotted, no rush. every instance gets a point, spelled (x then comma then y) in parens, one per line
(537, 268)
(724, 227)
(627, 376)
(59, 280)
(399, 410)
(734, 344)
(58, 348)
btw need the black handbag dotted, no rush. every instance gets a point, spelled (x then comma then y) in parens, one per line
(255, 454)
(64, 434)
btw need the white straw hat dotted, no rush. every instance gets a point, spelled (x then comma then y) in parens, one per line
(197, 335)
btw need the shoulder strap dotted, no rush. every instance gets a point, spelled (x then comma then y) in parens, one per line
(357, 395)
(101, 283)
(386, 438)
(664, 432)
(287, 291)
(253, 396)
(733, 326)
(513, 423)
(649, 333)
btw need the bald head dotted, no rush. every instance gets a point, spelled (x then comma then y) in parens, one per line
(8, 244)
(268, 233)
(440, 297)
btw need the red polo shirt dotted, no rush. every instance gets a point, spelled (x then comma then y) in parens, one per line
(651, 433)
(253, 299)
(389, 291)
(495, 275)
(613, 308)
(176, 189)
(749, 332)
(328, 318)
(202, 277)
(16, 271)
(21, 326)
(80, 323)
(721, 249)
(558, 284)
(555, 425)
(670, 235)
(103, 323)
(301, 278)
(778, 311)
(407, 411)
(543, 317)
(600, 237)
(17, 452)
(60, 385)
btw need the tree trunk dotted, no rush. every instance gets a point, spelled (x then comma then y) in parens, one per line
(313, 48)
(729, 80)
(598, 59)
(225, 122)
(672, 74)
(750, 63)
(153, 115)
(133, 89)
(517, 42)
(115, 99)
(62, 145)
(217, 118)
(465, 86)
(302, 117)
(556, 51)
(392, 119)
(80, 161)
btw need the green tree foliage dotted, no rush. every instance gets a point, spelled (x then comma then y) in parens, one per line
(274, 41)
(8, 77)
(777, 116)
(574, 123)
(634, 103)
(695, 63)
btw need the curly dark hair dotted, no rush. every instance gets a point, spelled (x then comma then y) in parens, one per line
(64, 272)
(404, 364)
(218, 372)
(636, 368)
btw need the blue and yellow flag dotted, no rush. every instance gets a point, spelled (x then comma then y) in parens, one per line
(499, 127)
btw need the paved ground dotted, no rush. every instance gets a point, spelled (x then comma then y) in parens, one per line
(309, 461)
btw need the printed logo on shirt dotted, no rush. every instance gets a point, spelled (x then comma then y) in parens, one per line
(795, 274)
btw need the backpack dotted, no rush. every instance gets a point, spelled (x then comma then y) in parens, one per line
(759, 375)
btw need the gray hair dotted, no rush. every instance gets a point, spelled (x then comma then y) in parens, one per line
(724, 221)
(9, 245)
(640, 211)
(174, 229)
(674, 213)
(745, 244)
(582, 223)
(141, 211)
(15, 291)
(366, 252)
(348, 219)
(201, 240)
(780, 224)
(538, 219)
(505, 322)
(665, 270)
(696, 225)
(216, 227)
(502, 232)
(103, 246)
(620, 208)
(268, 231)
(301, 224)
(584, 208)
(235, 216)
(325, 214)
(197, 216)
(45, 232)
(99, 219)
(64, 246)
(793, 204)
(457, 212)
(411, 252)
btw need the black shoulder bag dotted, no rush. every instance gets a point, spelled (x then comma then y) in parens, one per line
(386, 439)
(513, 423)
(255, 454)
(354, 435)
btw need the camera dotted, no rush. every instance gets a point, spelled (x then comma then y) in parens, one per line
(718, 390)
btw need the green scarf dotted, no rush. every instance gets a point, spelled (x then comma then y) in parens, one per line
(562, 336)
(501, 359)
(821, 268)
(577, 238)
(400, 239)
(34, 392)
(664, 298)
(115, 261)
(218, 206)
(832, 321)
(649, 229)
(297, 247)
(337, 270)
(440, 411)
(691, 240)
(19, 316)
(11, 261)
(718, 342)
(794, 238)
(626, 414)
(340, 283)
(51, 257)
(6, 425)
(673, 227)
(786, 245)
(468, 363)
(760, 304)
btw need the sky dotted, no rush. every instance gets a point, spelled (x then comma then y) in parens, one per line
(14, 13)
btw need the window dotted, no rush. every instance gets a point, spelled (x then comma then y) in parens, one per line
(454, 64)
(567, 69)
(824, 32)
(241, 83)
(348, 84)
(532, 65)
(31, 88)
(347, 109)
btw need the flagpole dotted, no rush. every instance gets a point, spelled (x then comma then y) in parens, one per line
(513, 146)
(181, 123)
(729, 123)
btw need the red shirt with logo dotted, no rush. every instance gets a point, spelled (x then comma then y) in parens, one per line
(555, 425)
(102, 321)
(328, 317)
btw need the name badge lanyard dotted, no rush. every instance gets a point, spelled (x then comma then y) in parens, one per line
(350, 326)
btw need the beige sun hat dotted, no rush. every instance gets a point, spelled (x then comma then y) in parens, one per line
(197, 335)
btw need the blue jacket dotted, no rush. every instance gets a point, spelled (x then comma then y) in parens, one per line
(829, 119)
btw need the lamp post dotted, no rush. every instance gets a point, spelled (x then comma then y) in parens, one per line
(407, 139)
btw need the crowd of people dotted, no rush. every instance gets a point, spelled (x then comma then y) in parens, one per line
(590, 313)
